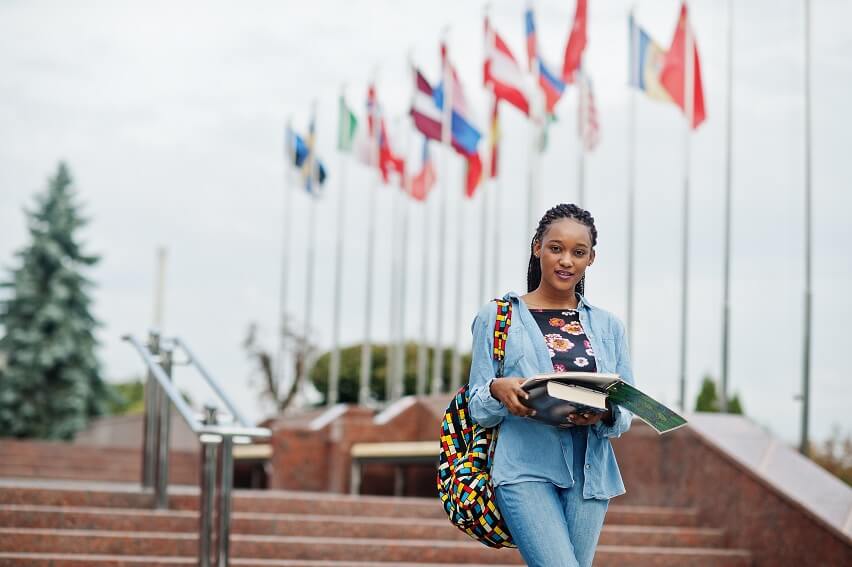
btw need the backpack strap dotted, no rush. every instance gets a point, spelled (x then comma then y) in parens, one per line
(501, 332)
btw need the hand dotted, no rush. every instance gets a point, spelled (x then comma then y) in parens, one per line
(509, 392)
(579, 418)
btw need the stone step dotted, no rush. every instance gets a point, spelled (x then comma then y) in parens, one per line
(128, 519)
(177, 474)
(251, 546)
(63, 560)
(291, 502)
(260, 551)
(80, 454)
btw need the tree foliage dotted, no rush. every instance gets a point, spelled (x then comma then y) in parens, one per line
(708, 399)
(50, 382)
(350, 371)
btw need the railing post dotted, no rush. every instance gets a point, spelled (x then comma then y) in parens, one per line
(226, 482)
(149, 432)
(207, 497)
(165, 414)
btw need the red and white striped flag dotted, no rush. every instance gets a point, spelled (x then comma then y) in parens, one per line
(588, 125)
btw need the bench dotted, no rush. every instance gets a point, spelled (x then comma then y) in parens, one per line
(397, 454)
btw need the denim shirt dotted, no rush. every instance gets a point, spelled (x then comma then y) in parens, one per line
(529, 450)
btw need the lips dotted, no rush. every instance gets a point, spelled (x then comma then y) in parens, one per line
(564, 274)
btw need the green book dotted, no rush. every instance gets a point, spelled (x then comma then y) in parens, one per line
(619, 392)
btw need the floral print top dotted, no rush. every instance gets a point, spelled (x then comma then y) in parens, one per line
(570, 349)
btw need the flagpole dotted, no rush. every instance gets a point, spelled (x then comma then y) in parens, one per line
(366, 347)
(726, 278)
(403, 288)
(538, 111)
(689, 83)
(581, 124)
(631, 174)
(422, 349)
(290, 150)
(483, 236)
(496, 256)
(535, 145)
(446, 142)
(806, 351)
(334, 364)
(486, 175)
(313, 195)
(390, 357)
(403, 280)
(455, 360)
(159, 290)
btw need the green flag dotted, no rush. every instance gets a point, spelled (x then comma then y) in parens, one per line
(345, 127)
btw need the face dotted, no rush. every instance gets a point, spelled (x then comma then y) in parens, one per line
(565, 251)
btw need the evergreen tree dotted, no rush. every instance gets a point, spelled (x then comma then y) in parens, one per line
(708, 399)
(50, 384)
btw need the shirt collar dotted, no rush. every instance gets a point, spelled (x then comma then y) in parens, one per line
(581, 300)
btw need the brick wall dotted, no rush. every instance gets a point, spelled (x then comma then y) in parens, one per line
(683, 469)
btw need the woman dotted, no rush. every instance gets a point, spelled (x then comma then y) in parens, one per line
(552, 484)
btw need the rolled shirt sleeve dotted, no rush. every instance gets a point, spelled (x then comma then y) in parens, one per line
(484, 408)
(621, 417)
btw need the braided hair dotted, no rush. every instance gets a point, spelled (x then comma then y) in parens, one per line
(561, 211)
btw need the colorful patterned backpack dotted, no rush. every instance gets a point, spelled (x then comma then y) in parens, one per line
(467, 450)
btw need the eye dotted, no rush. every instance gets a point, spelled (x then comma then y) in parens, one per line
(580, 252)
(555, 249)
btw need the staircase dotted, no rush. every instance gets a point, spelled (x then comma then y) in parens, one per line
(63, 523)
(58, 460)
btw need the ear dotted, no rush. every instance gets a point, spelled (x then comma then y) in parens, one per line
(592, 257)
(537, 249)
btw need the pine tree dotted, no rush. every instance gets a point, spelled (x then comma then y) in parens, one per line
(50, 383)
(708, 399)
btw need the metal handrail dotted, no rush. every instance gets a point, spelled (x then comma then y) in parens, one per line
(217, 441)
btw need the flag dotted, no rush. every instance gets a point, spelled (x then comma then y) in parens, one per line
(426, 112)
(551, 84)
(297, 155)
(389, 161)
(589, 128)
(501, 72)
(420, 185)
(576, 44)
(346, 127)
(646, 63)
(424, 109)
(674, 70)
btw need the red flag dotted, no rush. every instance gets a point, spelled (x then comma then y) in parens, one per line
(421, 184)
(673, 74)
(502, 72)
(474, 175)
(576, 44)
(389, 161)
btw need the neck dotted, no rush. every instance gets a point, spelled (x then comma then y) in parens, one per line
(545, 297)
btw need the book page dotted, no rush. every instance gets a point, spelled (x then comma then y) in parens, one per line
(649, 410)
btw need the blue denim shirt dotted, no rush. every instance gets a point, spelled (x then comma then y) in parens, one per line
(529, 450)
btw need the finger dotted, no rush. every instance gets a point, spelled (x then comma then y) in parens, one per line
(518, 408)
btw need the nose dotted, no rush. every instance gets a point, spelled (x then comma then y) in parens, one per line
(566, 260)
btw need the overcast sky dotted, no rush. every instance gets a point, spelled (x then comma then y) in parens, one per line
(171, 114)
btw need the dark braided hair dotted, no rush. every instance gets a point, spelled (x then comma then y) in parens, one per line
(561, 211)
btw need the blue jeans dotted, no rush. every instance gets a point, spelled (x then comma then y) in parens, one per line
(554, 526)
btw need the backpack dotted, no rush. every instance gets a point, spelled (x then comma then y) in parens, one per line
(467, 450)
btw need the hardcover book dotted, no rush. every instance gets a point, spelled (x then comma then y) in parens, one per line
(554, 396)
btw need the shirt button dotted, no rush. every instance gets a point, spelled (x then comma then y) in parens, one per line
(588, 467)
